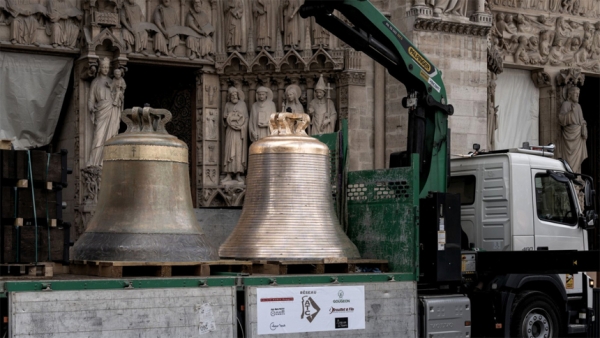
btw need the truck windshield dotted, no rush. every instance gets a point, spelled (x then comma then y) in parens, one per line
(554, 200)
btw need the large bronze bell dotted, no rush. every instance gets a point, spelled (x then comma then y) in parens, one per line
(288, 212)
(144, 210)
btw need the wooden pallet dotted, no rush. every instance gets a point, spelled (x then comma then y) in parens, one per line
(318, 266)
(30, 269)
(158, 269)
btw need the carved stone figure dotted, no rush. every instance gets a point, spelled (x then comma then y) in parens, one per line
(492, 111)
(234, 10)
(199, 22)
(571, 145)
(291, 24)
(262, 10)
(439, 6)
(105, 114)
(23, 20)
(63, 28)
(521, 55)
(136, 37)
(321, 36)
(322, 111)
(235, 117)
(457, 7)
(292, 99)
(118, 89)
(260, 114)
(166, 40)
(523, 26)
(546, 38)
(596, 42)
(563, 32)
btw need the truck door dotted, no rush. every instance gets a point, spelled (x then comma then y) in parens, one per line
(555, 219)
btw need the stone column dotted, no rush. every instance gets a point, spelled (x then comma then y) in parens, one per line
(353, 105)
(310, 87)
(379, 117)
(547, 109)
(251, 92)
(208, 134)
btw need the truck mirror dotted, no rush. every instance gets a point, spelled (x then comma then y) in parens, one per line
(588, 220)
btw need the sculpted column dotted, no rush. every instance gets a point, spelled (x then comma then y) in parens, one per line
(208, 136)
(353, 106)
(251, 91)
(541, 79)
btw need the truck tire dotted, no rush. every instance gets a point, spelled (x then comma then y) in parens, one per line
(534, 315)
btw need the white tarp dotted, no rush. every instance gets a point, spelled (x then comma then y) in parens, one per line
(310, 309)
(32, 91)
(518, 112)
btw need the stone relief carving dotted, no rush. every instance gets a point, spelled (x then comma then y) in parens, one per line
(544, 40)
(292, 104)
(134, 33)
(63, 27)
(234, 30)
(235, 116)
(322, 110)
(105, 106)
(291, 24)
(211, 125)
(199, 22)
(60, 19)
(260, 113)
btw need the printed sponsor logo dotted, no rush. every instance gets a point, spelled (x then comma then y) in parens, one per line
(442, 326)
(310, 309)
(569, 281)
(424, 75)
(278, 311)
(341, 323)
(340, 309)
(284, 299)
(419, 59)
(306, 292)
(341, 296)
(274, 326)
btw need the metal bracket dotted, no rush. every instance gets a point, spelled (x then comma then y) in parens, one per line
(128, 285)
(391, 278)
(273, 281)
(334, 280)
(46, 287)
(203, 283)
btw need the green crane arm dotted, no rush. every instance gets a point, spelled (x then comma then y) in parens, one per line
(373, 34)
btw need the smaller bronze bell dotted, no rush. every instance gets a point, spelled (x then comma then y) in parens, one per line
(288, 211)
(144, 210)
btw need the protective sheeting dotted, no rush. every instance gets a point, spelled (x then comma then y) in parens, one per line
(32, 91)
(518, 112)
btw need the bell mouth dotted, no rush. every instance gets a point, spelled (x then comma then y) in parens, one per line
(289, 144)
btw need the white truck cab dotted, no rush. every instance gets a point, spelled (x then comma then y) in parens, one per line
(518, 199)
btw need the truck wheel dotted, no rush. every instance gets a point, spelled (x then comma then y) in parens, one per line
(534, 315)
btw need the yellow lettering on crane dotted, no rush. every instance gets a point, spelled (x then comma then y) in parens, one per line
(419, 59)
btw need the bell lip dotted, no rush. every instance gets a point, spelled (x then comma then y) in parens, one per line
(289, 144)
(141, 138)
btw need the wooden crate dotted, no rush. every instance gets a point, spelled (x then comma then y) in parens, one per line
(319, 266)
(158, 269)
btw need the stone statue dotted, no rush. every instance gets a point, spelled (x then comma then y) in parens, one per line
(63, 29)
(117, 89)
(571, 146)
(165, 17)
(291, 24)
(321, 36)
(234, 10)
(135, 36)
(322, 111)
(262, 19)
(199, 22)
(492, 112)
(23, 20)
(260, 114)
(292, 99)
(439, 6)
(235, 117)
(457, 7)
(563, 32)
(105, 115)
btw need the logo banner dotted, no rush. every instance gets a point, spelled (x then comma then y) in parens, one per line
(310, 309)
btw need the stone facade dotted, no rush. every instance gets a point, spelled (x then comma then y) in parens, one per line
(217, 45)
